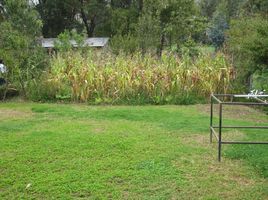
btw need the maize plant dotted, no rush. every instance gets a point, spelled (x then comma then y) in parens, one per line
(105, 78)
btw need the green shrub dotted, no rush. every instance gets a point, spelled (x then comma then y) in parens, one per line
(66, 40)
(41, 90)
(124, 44)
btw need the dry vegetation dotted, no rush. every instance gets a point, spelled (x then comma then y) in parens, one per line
(103, 78)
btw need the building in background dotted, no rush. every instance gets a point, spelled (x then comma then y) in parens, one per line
(97, 42)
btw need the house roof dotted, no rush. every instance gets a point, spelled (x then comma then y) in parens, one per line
(91, 42)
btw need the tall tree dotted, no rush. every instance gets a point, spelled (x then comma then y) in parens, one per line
(22, 16)
(247, 42)
(218, 25)
(19, 32)
(175, 20)
(255, 6)
(247, 39)
(94, 13)
(57, 15)
(2, 12)
(208, 7)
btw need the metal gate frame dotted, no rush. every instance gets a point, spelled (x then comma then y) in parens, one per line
(218, 135)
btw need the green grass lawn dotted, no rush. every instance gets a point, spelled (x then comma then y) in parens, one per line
(51, 151)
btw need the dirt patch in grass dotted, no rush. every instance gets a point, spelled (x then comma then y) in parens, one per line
(196, 139)
(14, 114)
(236, 112)
(96, 127)
(233, 135)
(203, 140)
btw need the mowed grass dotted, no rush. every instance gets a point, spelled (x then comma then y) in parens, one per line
(54, 151)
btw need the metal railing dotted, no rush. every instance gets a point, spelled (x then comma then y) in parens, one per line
(218, 134)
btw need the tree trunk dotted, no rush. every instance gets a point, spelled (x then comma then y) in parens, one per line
(161, 46)
(140, 5)
(248, 81)
(112, 3)
(90, 27)
(128, 3)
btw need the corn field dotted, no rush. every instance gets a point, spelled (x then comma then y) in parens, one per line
(105, 78)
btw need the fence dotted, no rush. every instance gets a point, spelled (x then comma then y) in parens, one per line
(227, 100)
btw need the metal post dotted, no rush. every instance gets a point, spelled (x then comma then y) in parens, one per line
(220, 129)
(211, 117)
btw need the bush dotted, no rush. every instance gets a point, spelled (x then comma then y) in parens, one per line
(124, 44)
(67, 39)
(41, 90)
(247, 42)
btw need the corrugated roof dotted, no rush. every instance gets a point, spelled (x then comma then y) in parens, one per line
(96, 42)
(48, 42)
(91, 42)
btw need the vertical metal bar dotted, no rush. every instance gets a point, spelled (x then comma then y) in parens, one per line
(220, 129)
(211, 117)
